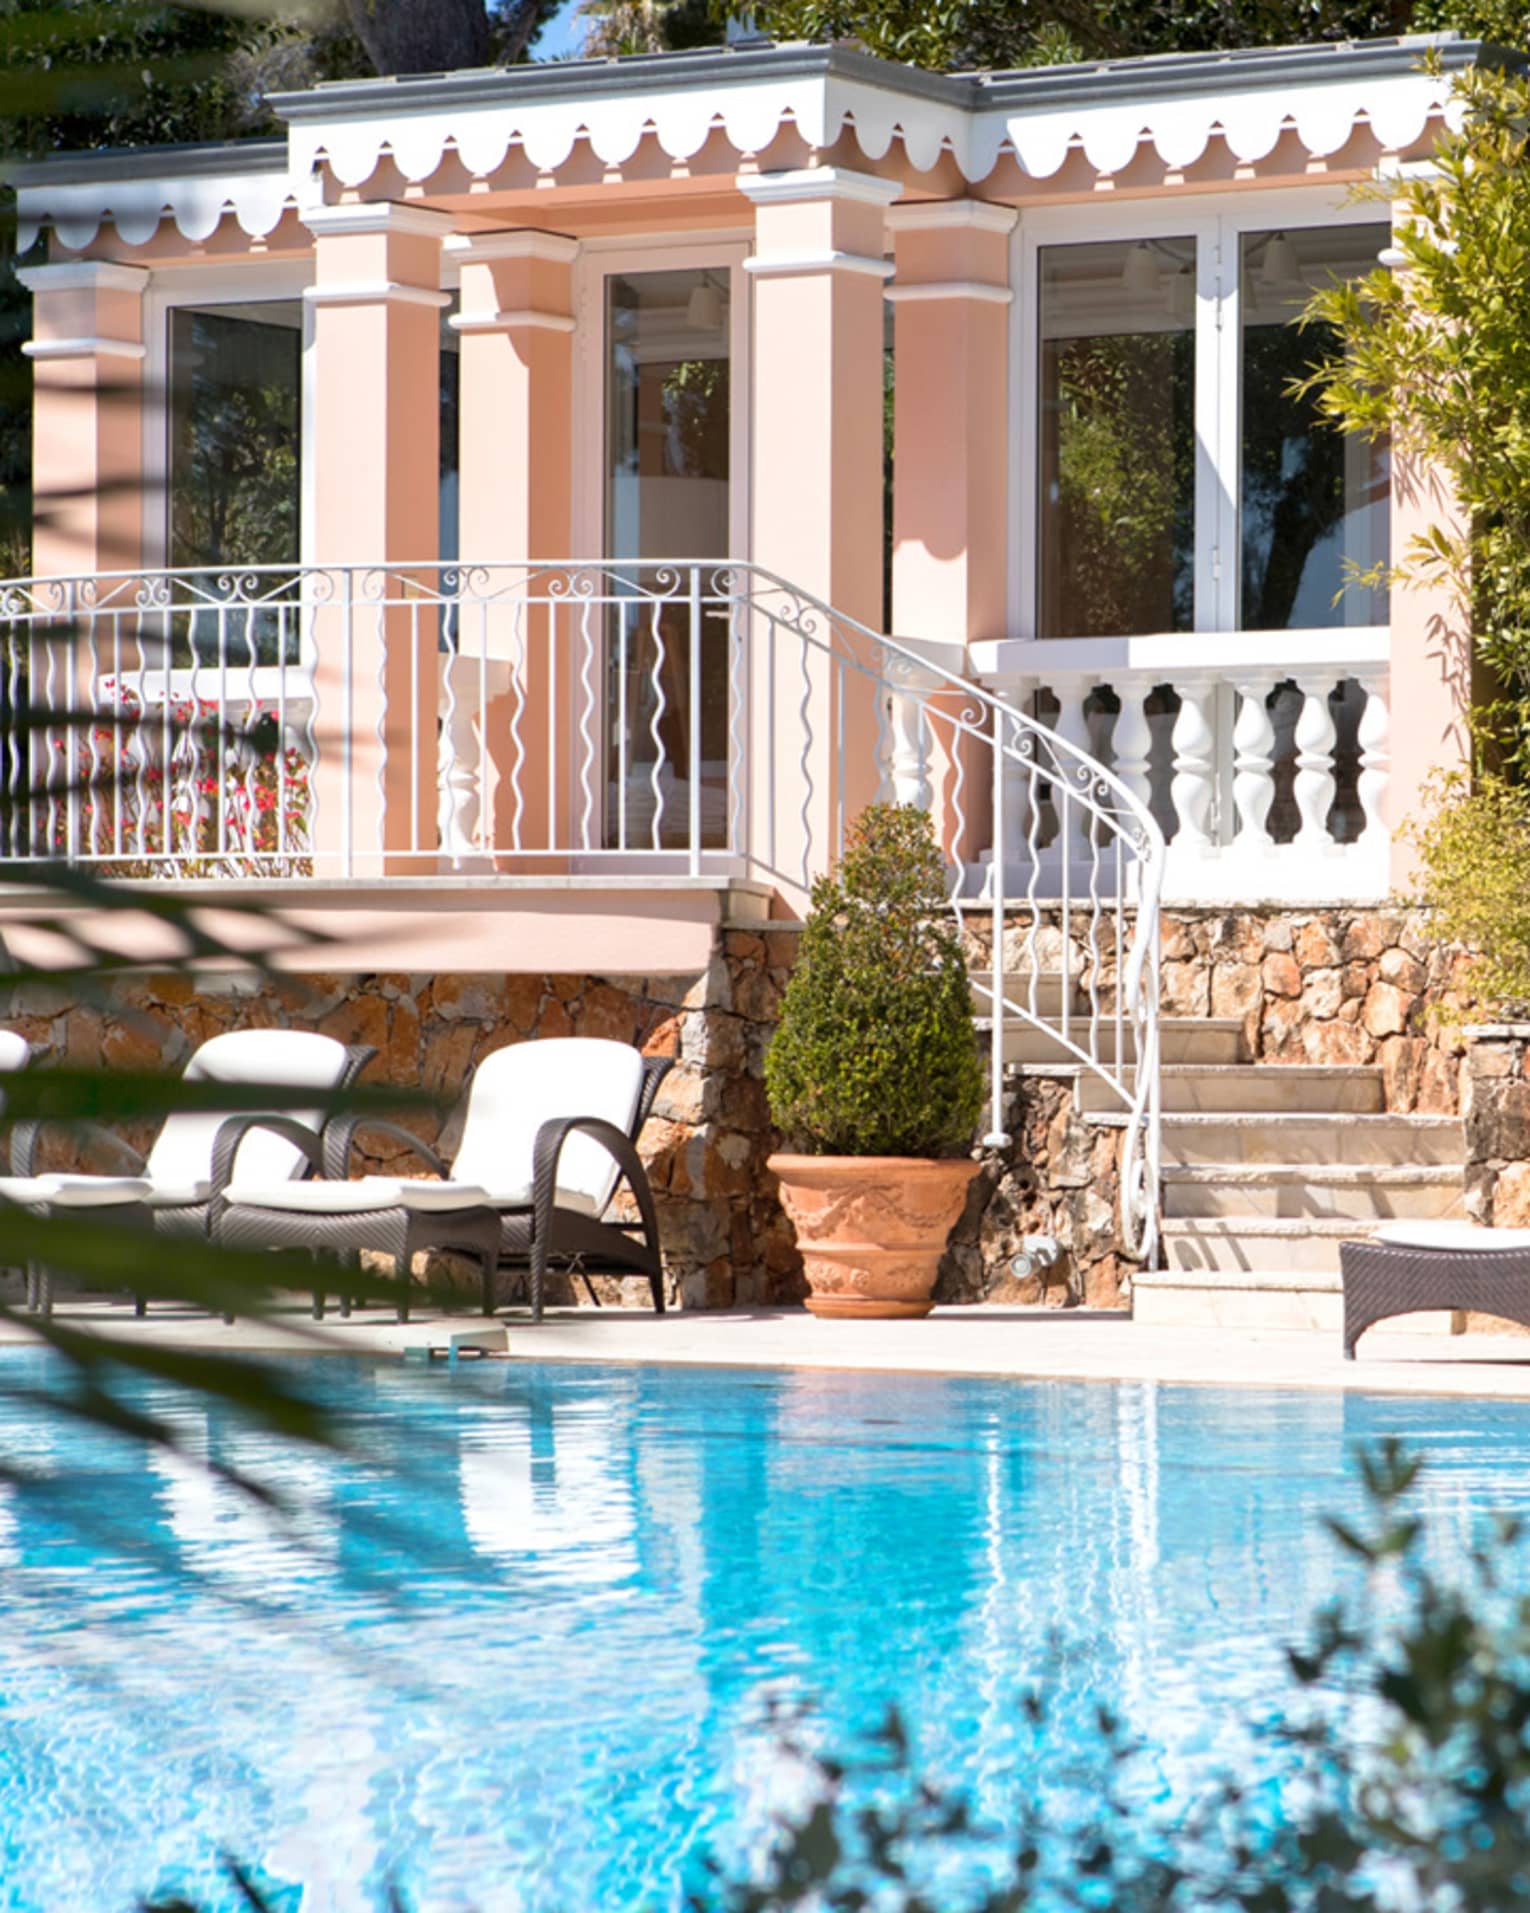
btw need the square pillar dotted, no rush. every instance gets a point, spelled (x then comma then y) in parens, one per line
(1425, 724)
(951, 297)
(816, 433)
(376, 456)
(87, 351)
(513, 716)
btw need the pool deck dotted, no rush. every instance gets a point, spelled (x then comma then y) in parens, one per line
(1030, 1344)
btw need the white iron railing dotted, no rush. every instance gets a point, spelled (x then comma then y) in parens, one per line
(694, 718)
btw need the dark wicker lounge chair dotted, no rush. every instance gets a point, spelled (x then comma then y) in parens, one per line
(1407, 1268)
(177, 1188)
(550, 1133)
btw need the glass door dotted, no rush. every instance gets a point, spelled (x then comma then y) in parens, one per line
(667, 471)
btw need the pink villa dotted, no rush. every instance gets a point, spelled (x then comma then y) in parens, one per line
(579, 489)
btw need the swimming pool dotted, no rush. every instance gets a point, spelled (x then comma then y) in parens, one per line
(521, 1653)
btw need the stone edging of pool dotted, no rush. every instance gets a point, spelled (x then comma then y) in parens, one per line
(997, 1340)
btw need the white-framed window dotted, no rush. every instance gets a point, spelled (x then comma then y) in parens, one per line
(1166, 478)
(230, 397)
(229, 410)
(661, 473)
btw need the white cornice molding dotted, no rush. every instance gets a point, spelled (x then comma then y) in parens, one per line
(360, 293)
(84, 275)
(973, 289)
(526, 242)
(789, 265)
(808, 183)
(378, 215)
(953, 215)
(83, 349)
(508, 321)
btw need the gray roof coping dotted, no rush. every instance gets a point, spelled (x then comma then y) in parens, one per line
(183, 160)
(1096, 81)
(1087, 83)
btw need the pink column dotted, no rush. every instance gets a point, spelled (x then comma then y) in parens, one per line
(376, 455)
(951, 299)
(816, 503)
(1430, 688)
(87, 351)
(516, 494)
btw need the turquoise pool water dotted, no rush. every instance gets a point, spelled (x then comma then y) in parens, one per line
(520, 1655)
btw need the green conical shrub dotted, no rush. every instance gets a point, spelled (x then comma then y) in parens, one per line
(875, 1054)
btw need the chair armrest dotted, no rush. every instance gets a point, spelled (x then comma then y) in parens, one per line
(26, 1136)
(233, 1132)
(340, 1134)
(548, 1149)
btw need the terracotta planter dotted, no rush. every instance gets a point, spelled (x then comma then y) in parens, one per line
(872, 1229)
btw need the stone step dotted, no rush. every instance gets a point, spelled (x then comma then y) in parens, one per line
(1258, 1298)
(1181, 1039)
(1296, 1138)
(1363, 1192)
(1232, 1245)
(1253, 1088)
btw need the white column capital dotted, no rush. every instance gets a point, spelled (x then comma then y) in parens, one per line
(952, 215)
(522, 242)
(85, 275)
(808, 183)
(389, 216)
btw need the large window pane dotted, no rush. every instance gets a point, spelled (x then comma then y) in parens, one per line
(1117, 519)
(235, 453)
(667, 496)
(1314, 503)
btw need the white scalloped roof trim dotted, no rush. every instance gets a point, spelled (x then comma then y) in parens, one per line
(1251, 120)
(1323, 115)
(136, 206)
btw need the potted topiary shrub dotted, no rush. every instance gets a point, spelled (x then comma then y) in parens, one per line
(873, 1074)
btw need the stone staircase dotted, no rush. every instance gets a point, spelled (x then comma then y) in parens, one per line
(1267, 1168)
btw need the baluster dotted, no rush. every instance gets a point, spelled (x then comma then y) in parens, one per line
(1374, 738)
(1313, 788)
(1253, 787)
(1132, 742)
(910, 751)
(1194, 738)
(457, 760)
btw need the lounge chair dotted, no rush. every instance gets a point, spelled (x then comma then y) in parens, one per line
(550, 1132)
(1408, 1267)
(177, 1189)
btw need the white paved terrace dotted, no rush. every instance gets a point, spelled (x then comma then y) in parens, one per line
(1028, 1344)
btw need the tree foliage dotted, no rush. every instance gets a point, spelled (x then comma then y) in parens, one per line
(1432, 357)
(874, 1054)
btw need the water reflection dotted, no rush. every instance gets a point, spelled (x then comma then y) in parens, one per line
(521, 1650)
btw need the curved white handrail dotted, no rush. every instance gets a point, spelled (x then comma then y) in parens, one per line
(1068, 897)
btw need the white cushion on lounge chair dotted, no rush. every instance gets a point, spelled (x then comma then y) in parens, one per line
(359, 1198)
(518, 1088)
(1450, 1235)
(182, 1155)
(74, 1192)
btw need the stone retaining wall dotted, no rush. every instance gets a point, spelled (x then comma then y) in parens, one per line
(1316, 986)
(1498, 1124)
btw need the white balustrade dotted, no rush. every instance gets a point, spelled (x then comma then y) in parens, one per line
(1271, 782)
